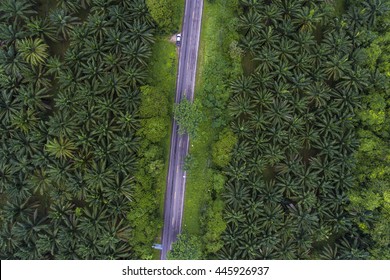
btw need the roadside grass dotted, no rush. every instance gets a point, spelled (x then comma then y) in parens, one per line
(211, 75)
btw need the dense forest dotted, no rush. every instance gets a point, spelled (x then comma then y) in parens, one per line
(70, 82)
(296, 189)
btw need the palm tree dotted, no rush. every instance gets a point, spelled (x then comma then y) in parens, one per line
(138, 9)
(257, 162)
(309, 136)
(336, 66)
(128, 122)
(251, 23)
(141, 32)
(62, 124)
(63, 22)
(243, 150)
(318, 94)
(289, 184)
(250, 45)
(133, 75)
(71, 6)
(287, 49)
(239, 105)
(277, 135)
(268, 59)
(351, 249)
(287, 247)
(302, 62)
(13, 64)
(354, 80)
(54, 66)
(100, 175)
(41, 27)
(34, 97)
(236, 194)
(26, 120)
(374, 9)
(33, 51)
(306, 222)
(119, 16)
(98, 25)
(28, 228)
(345, 101)
(289, 165)
(16, 11)
(278, 112)
(269, 37)
(18, 208)
(9, 107)
(93, 221)
(248, 247)
(251, 4)
(274, 154)
(10, 33)
(336, 43)
(307, 18)
(289, 8)
(59, 171)
(39, 78)
(61, 148)
(271, 14)
(116, 41)
(137, 52)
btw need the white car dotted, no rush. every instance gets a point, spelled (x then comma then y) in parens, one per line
(178, 39)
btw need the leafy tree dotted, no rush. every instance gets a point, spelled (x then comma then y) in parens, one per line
(222, 149)
(163, 12)
(188, 116)
(186, 247)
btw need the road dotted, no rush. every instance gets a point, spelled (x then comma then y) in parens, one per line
(185, 85)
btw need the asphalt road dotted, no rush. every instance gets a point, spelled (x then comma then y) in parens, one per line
(185, 85)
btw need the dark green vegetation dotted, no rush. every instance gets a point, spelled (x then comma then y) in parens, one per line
(70, 130)
(294, 113)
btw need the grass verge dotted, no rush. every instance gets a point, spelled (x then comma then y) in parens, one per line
(214, 68)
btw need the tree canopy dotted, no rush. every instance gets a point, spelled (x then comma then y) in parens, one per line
(188, 117)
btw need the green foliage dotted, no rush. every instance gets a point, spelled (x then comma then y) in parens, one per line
(33, 51)
(188, 116)
(61, 148)
(214, 225)
(186, 247)
(154, 114)
(222, 149)
(166, 13)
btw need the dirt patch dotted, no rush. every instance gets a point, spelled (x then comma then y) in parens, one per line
(173, 38)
